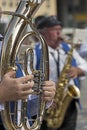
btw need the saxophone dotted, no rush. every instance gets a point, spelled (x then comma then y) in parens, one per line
(11, 45)
(55, 115)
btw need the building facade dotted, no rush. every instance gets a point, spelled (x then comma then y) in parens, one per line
(70, 12)
(47, 8)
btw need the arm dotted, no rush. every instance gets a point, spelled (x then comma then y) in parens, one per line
(83, 50)
(75, 72)
(81, 69)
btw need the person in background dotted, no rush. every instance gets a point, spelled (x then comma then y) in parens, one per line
(83, 50)
(83, 47)
(51, 30)
(35, 24)
(38, 19)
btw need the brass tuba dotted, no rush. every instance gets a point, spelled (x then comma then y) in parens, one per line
(11, 44)
(64, 95)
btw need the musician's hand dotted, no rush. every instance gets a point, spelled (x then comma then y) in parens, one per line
(12, 88)
(75, 72)
(49, 90)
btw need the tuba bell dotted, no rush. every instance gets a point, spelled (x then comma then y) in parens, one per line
(11, 45)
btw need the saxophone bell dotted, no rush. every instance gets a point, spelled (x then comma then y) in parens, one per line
(73, 91)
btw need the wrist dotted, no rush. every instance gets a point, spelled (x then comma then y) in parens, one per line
(80, 72)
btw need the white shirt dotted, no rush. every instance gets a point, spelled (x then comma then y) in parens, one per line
(83, 50)
(81, 63)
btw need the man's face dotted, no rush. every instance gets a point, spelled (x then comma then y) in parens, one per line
(53, 35)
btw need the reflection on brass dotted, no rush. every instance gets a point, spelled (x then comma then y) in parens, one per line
(12, 41)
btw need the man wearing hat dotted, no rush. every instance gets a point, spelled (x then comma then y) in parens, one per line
(51, 29)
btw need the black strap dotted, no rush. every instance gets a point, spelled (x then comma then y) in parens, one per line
(57, 62)
(1, 124)
(1, 38)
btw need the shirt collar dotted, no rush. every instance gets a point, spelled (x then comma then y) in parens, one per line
(61, 51)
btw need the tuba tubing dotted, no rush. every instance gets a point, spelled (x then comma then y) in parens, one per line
(11, 44)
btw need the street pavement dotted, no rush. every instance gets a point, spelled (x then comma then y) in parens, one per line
(82, 114)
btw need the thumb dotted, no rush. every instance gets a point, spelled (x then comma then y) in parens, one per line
(11, 74)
